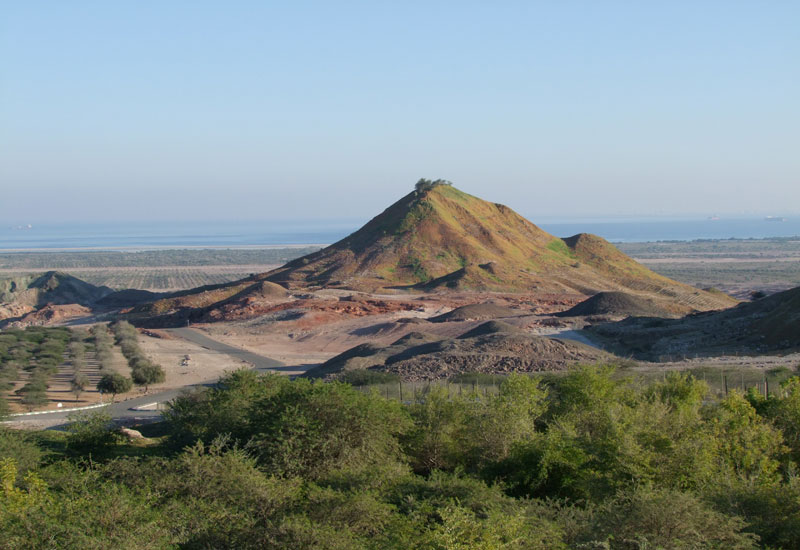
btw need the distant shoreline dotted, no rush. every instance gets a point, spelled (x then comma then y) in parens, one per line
(161, 247)
(294, 246)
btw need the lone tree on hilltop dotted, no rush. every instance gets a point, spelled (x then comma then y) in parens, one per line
(425, 185)
(114, 383)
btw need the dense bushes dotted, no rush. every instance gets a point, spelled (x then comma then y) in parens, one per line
(293, 428)
(580, 461)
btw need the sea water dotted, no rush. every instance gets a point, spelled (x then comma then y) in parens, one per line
(242, 234)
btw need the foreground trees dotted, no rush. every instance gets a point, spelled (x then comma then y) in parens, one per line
(114, 383)
(586, 460)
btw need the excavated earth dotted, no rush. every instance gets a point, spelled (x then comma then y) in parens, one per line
(618, 304)
(492, 347)
(770, 325)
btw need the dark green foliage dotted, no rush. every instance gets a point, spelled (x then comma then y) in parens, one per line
(366, 377)
(114, 383)
(478, 378)
(20, 447)
(265, 462)
(91, 432)
(426, 185)
(294, 428)
(147, 373)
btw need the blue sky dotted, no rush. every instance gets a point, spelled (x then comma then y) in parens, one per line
(270, 110)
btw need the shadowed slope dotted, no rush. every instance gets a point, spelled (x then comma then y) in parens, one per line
(769, 325)
(21, 295)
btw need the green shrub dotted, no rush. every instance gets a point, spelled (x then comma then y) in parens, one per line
(367, 377)
(91, 432)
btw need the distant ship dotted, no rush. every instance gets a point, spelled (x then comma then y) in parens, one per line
(713, 218)
(774, 219)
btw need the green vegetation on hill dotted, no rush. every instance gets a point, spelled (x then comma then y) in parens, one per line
(438, 236)
(586, 460)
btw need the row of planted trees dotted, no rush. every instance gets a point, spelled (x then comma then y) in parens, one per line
(38, 352)
(143, 371)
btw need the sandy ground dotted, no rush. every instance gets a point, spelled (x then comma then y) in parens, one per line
(169, 352)
(294, 344)
(313, 337)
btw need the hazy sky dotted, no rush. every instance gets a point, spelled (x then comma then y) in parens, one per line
(215, 110)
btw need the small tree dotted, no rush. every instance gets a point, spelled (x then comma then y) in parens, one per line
(34, 398)
(147, 374)
(78, 384)
(5, 410)
(114, 383)
(426, 185)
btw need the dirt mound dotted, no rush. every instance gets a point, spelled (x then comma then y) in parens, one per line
(413, 320)
(499, 353)
(24, 294)
(53, 287)
(769, 325)
(51, 314)
(492, 327)
(493, 348)
(369, 355)
(267, 289)
(617, 304)
(477, 312)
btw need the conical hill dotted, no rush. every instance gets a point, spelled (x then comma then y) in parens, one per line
(440, 237)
